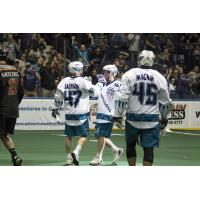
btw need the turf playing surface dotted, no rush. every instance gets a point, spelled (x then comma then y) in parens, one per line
(46, 148)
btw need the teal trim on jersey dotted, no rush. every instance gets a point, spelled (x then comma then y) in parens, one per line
(76, 116)
(105, 117)
(142, 117)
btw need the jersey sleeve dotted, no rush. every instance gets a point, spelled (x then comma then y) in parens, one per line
(122, 96)
(93, 90)
(124, 90)
(20, 89)
(59, 96)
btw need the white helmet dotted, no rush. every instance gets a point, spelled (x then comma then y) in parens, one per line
(146, 58)
(111, 68)
(75, 67)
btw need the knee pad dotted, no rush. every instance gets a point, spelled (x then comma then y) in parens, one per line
(148, 154)
(130, 150)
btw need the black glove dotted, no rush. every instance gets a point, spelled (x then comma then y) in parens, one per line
(54, 112)
(118, 122)
(163, 123)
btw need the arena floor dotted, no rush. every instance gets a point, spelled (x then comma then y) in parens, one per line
(46, 148)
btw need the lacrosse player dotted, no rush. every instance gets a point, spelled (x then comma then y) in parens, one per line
(72, 95)
(104, 118)
(141, 91)
(11, 94)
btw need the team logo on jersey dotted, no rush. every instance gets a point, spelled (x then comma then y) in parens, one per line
(110, 92)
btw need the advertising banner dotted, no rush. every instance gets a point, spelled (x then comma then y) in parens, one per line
(35, 114)
(185, 115)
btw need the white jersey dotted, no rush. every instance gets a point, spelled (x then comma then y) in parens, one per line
(143, 90)
(73, 93)
(106, 102)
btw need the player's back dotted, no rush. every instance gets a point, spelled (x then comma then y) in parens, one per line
(148, 87)
(11, 91)
(76, 94)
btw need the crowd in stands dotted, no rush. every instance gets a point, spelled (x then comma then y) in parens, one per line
(42, 58)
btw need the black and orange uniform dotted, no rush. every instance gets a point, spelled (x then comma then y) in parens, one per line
(11, 94)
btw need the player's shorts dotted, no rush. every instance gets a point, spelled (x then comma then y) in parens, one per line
(147, 137)
(7, 125)
(81, 130)
(103, 129)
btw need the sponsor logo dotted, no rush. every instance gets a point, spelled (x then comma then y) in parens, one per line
(197, 114)
(178, 112)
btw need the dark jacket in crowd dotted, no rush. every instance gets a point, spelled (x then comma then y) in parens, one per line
(48, 78)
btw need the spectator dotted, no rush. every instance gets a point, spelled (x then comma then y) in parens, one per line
(13, 49)
(93, 77)
(150, 42)
(192, 78)
(30, 79)
(25, 39)
(181, 72)
(164, 57)
(49, 80)
(59, 65)
(96, 59)
(175, 74)
(116, 45)
(34, 42)
(93, 50)
(133, 43)
(188, 53)
(195, 86)
(194, 38)
(101, 41)
(96, 56)
(172, 88)
(169, 44)
(82, 51)
(16, 63)
(41, 43)
(32, 56)
(183, 87)
(196, 55)
(22, 64)
(165, 71)
(37, 67)
(196, 70)
(122, 64)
